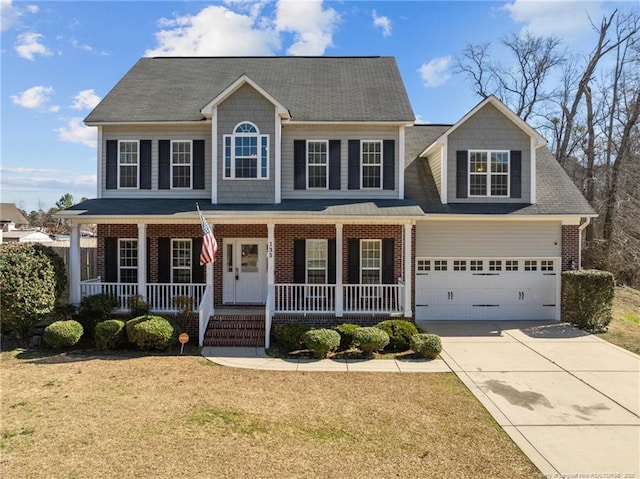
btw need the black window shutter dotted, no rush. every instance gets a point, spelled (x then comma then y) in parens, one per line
(198, 165)
(354, 261)
(164, 164)
(112, 165)
(111, 260)
(197, 271)
(334, 164)
(299, 260)
(461, 174)
(331, 261)
(145, 164)
(354, 164)
(389, 164)
(299, 165)
(164, 260)
(387, 261)
(516, 174)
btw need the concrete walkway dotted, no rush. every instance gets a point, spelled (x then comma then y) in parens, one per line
(569, 400)
(256, 358)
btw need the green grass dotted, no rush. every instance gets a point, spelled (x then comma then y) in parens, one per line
(624, 329)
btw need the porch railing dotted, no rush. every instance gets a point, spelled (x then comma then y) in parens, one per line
(373, 298)
(205, 310)
(121, 291)
(304, 298)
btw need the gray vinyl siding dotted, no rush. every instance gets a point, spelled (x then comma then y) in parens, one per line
(435, 163)
(344, 134)
(489, 129)
(246, 104)
(488, 238)
(155, 133)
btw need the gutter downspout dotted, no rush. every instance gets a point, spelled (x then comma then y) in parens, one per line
(580, 230)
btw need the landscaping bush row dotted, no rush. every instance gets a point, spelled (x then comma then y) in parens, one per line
(147, 332)
(391, 336)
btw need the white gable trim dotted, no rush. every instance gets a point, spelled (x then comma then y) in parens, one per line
(207, 110)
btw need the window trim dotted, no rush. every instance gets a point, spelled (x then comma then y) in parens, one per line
(190, 165)
(379, 268)
(120, 267)
(260, 139)
(137, 165)
(326, 261)
(308, 165)
(189, 268)
(380, 166)
(488, 175)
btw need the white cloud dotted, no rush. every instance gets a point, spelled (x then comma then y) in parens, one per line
(215, 30)
(34, 97)
(54, 108)
(28, 45)
(33, 8)
(8, 15)
(85, 99)
(77, 132)
(436, 72)
(311, 25)
(21, 170)
(382, 22)
(561, 18)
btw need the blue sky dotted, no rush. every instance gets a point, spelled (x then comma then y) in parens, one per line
(58, 59)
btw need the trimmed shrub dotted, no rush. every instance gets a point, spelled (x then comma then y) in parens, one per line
(94, 309)
(138, 306)
(370, 339)
(152, 332)
(587, 298)
(110, 334)
(27, 288)
(321, 341)
(426, 345)
(400, 332)
(289, 337)
(62, 334)
(59, 268)
(346, 331)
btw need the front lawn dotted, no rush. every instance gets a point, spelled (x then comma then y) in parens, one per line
(624, 329)
(128, 415)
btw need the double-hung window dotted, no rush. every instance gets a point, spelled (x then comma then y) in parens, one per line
(370, 261)
(488, 173)
(316, 256)
(128, 162)
(181, 260)
(371, 163)
(317, 164)
(128, 261)
(246, 153)
(181, 164)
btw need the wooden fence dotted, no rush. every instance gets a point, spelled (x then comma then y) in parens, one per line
(88, 260)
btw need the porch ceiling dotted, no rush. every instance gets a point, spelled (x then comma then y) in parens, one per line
(184, 210)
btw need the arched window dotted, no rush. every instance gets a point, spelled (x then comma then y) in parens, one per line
(246, 153)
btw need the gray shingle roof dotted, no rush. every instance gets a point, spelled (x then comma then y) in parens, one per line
(311, 88)
(556, 193)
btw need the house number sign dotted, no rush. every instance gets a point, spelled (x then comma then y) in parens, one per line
(270, 250)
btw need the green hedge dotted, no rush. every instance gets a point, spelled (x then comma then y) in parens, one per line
(400, 332)
(62, 334)
(152, 332)
(370, 339)
(346, 331)
(587, 298)
(321, 341)
(426, 345)
(94, 309)
(289, 337)
(110, 334)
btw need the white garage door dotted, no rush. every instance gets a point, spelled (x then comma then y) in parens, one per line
(487, 288)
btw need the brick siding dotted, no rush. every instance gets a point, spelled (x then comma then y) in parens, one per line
(570, 246)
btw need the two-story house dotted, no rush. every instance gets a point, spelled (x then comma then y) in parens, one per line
(327, 203)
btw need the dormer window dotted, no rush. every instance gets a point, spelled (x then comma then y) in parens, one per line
(246, 153)
(488, 173)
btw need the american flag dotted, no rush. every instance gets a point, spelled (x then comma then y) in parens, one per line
(209, 243)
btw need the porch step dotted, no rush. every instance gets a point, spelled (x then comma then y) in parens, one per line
(235, 330)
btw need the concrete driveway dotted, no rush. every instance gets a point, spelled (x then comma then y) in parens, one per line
(569, 400)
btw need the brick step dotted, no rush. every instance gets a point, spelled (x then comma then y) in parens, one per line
(234, 342)
(235, 330)
(233, 333)
(224, 325)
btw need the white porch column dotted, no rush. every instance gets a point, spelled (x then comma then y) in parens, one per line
(142, 260)
(339, 289)
(271, 269)
(74, 265)
(408, 276)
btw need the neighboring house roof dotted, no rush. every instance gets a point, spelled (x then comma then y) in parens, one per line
(556, 193)
(311, 88)
(150, 207)
(9, 213)
(25, 237)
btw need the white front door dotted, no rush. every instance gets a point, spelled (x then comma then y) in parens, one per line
(244, 280)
